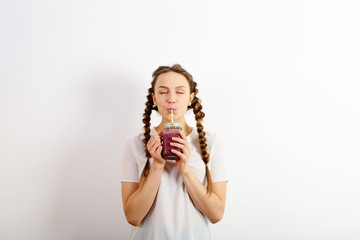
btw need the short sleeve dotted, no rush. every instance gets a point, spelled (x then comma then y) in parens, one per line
(217, 160)
(128, 168)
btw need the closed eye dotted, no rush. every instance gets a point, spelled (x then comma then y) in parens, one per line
(163, 92)
(180, 92)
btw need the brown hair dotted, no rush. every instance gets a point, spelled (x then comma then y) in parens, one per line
(195, 105)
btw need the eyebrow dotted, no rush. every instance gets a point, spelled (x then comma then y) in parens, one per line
(175, 87)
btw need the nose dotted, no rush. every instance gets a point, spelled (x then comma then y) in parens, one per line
(171, 98)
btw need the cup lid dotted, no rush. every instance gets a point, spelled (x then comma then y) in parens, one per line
(173, 125)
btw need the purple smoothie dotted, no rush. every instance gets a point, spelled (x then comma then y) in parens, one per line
(167, 154)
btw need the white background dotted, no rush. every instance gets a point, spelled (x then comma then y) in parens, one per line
(279, 80)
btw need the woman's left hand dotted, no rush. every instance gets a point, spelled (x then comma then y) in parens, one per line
(183, 144)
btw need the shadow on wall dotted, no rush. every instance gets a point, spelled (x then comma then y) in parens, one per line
(88, 204)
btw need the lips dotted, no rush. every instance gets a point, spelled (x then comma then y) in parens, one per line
(169, 110)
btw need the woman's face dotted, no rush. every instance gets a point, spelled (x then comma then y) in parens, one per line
(172, 92)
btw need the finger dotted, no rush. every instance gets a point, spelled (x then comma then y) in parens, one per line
(179, 154)
(153, 145)
(180, 140)
(178, 145)
(158, 151)
(150, 144)
(152, 141)
(185, 152)
(182, 135)
(184, 139)
(182, 147)
(156, 145)
(156, 137)
(183, 142)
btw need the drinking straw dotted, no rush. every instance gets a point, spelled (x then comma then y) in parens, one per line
(172, 116)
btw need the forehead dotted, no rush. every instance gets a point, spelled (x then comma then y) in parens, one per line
(171, 80)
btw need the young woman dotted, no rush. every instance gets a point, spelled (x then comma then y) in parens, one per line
(168, 199)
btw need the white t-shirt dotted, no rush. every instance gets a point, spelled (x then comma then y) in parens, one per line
(173, 214)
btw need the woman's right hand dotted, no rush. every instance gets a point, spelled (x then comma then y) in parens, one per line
(154, 147)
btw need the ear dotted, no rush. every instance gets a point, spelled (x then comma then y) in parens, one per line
(153, 98)
(192, 95)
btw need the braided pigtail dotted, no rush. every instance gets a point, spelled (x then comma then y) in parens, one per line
(199, 115)
(147, 121)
